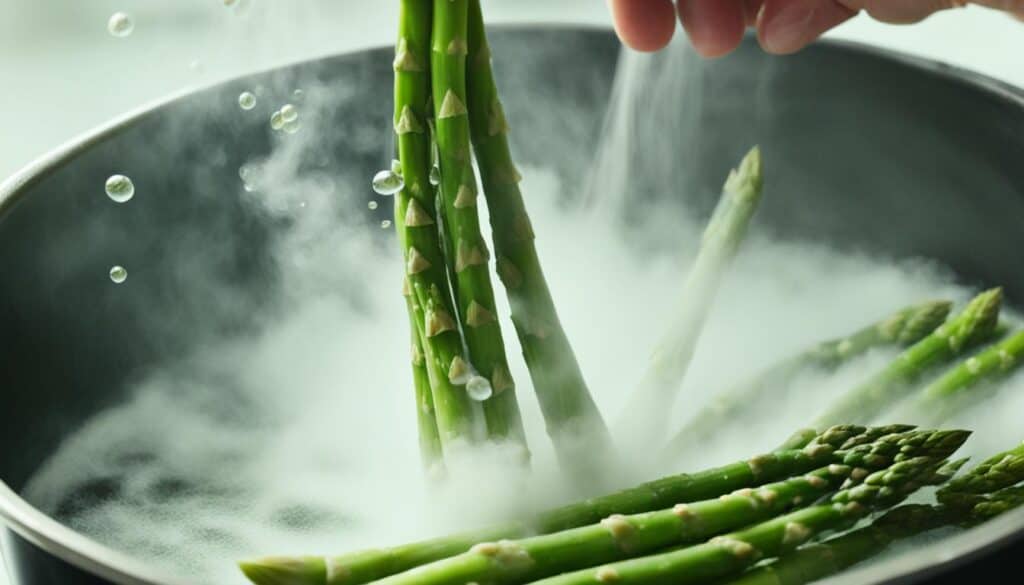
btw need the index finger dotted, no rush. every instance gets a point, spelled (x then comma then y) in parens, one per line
(644, 25)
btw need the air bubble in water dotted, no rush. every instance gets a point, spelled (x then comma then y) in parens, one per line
(479, 389)
(289, 113)
(298, 95)
(247, 100)
(292, 126)
(118, 274)
(385, 224)
(120, 188)
(120, 25)
(435, 175)
(372, 205)
(387, 183)
(276, 120)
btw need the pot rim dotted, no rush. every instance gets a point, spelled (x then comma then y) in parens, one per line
(87, 554)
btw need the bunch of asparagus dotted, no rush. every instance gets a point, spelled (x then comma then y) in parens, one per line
(445, 100)
(704, 527)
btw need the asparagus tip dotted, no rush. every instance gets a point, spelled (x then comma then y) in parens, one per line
(747, 179)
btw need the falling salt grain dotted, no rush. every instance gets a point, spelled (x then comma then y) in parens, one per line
(385, 224)
(120, 25)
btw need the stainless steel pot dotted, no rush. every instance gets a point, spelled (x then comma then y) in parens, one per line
(875, 151)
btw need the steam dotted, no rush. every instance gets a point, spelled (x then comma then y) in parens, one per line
(300, 438)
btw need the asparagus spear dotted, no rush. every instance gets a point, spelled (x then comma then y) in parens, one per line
(573, 420)
(430, 441)
(907, 326)
(947, 395)
(424, 258)
(467, 250)
(730, 554)
(652, 400)
(974, 324)
(869, 448)
(618, 536)
(999, 471)
(832, 556)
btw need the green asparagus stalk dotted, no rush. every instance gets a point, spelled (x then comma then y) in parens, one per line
(974, 324)
(651, 402)
(834, 555)
(620, 536)
(907, 326)
(467, 250)
(732, 553)
(949, 394)
(431, 453)
(999, 471)
(424, 257)
(573, 420)
(868, 448)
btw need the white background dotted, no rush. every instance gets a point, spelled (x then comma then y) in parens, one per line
(62, 74)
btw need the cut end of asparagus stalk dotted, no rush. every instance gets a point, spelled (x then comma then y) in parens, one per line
(747, 180)
(285, 570)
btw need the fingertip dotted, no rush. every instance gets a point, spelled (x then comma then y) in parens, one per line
(715, 28)
(787, 26)
(644, 25)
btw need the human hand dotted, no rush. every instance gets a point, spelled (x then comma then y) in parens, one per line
(715, 27)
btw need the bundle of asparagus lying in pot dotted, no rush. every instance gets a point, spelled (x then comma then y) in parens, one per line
(772, 510)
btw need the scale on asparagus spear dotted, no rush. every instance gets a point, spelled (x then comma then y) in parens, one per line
(686, 528)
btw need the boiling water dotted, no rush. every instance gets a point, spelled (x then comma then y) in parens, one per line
(301, 439)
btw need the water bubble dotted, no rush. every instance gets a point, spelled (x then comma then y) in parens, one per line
(372, 205)
(120, 25)
(118, 274)
(298, 95)
(385, 224)
(387, 183)
(479, 389)
(247, 100)
(276, 120)
(435, 175)
(120, 188)
(292, 126)
(396, 166)
(289, 113)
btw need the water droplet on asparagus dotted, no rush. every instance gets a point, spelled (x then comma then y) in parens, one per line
(396, 166)
(385, 224)
(479, 389)
(120, 25)
(387, 183)
(435, 175)
(247, 100)
(372, 205)
(120, 188)
(118, 274)
(289, 113)
(276, 120)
